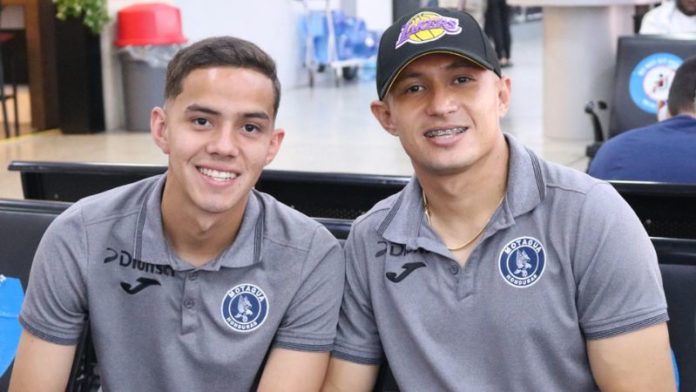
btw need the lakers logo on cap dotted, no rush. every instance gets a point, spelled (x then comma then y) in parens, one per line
(426, 27)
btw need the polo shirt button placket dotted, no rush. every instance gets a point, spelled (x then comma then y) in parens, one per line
(189, 317)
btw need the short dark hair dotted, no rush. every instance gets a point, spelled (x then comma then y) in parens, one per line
(220, 52)
(682, 93)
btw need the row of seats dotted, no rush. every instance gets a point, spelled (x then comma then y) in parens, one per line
(667, 210)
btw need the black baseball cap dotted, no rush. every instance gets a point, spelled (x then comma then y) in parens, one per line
(431, 30)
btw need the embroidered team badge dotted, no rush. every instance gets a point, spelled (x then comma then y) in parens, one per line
(245, 307)
(522, 261)
(426, 27)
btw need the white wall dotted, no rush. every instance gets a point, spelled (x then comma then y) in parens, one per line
(377, 13)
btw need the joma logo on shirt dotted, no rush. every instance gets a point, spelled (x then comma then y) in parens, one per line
(396, 250)
(127, 261)
(407, 269)
(142, 283)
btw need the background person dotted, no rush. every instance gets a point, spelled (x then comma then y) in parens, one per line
(662, 152)
(670, 17)
(497, 26)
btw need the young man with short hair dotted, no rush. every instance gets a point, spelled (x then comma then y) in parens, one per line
(192, 280)
(493, 270)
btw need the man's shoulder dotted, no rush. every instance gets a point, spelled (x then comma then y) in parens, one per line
(374, 217)
(564, 178)
(663, 10)
(114, 203)
(285, 224)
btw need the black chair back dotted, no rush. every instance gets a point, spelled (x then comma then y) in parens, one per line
(645, 65)
(666, 210)
(22, 223)
(678, 266)
(327, 195)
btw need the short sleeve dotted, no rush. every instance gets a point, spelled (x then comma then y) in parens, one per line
(55, 304)
(357, 339)
(619, 287)
(310, 321)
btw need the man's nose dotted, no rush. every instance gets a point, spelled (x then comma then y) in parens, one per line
(442, 102)
(224, 142)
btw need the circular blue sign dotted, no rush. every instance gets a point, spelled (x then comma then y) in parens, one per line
(651, 78)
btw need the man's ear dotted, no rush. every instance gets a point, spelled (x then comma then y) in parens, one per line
(158, 129)
(381, 111)
(504, 93)
(274, 147)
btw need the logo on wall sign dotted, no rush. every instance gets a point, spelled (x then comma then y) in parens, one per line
(522, 261)
(245, 307)
(426, 27)
(651, 79)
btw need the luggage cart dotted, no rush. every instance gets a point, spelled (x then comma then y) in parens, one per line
(341, 68)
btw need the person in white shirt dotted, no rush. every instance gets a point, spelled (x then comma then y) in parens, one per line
(671, 17)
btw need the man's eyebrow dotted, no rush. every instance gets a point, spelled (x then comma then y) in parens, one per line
(259, 115)
(408, 75)
(196, 108)
(202, 109)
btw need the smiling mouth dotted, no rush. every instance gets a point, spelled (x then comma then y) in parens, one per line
(445, 132)
(217, 175)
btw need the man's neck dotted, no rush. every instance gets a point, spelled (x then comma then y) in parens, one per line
(462, 204)
(199, 237)
(466, 193)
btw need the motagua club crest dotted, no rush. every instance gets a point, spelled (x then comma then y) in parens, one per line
(522, 262)
(245, 307)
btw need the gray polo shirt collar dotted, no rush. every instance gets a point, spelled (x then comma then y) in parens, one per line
(525, 190)
(244, 251)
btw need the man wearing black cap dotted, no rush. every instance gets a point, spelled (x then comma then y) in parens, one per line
(493, 270)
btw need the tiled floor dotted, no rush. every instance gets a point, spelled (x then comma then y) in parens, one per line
(327, 129)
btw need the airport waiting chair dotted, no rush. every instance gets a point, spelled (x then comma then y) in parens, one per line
(666, 210)
(22, 223)
(677, 258)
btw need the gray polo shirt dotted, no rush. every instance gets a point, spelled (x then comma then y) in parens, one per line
(159, 324)
(564, 259)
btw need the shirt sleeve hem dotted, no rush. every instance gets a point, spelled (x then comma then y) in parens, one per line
(594, 335)
(44, 336)
(304, 347)
(356, 359)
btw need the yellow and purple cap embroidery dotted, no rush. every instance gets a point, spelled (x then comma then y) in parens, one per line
(426, 27)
